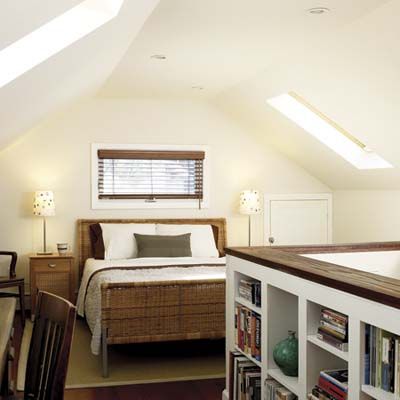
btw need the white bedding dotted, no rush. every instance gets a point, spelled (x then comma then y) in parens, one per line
(89, 297)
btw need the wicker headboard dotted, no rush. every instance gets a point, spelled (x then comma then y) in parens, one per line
(85, 248)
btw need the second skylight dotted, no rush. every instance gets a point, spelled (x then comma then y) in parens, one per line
(327, 131)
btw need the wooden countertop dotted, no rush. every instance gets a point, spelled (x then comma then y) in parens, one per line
(374, 287)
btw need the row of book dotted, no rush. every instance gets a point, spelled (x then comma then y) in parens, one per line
(245, 378)
(333, 329)
(382, 359)
(332, 385)
(248, 331)
(250, 290)
(275, 391)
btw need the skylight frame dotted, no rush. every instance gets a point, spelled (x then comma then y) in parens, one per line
(327, 131)
(54, 36)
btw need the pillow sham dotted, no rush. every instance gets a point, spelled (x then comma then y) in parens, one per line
(163, 245)
(202, 241)
(96, 241)
(119, 240)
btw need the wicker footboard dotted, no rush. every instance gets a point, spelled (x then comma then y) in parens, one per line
(138, 312)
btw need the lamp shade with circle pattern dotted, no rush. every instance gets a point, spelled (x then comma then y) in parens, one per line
(250, 202)
(43, 203)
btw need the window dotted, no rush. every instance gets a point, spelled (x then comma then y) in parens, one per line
(52, 37)
(327, 131)
(149, 177)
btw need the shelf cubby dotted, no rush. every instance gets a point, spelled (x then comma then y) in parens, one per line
(318, 359)
(313, 321)
(282, 314)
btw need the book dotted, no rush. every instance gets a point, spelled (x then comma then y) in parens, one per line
(338, 377)
(327, 338)
(367, 353)
(332, 332)
(332, 389)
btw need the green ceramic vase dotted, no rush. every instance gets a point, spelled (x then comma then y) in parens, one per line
(286, 355)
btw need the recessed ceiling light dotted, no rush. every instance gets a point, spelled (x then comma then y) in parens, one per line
(197, 87)
(318, 10)
(159, 56)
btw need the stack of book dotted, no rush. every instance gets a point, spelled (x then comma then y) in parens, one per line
(333, 329)
(332, 385)
(250, 290)
(382, 359)
(245, 378)
(248, 331)
(275, 391)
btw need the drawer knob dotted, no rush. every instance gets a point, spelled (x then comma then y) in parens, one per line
(52, 265)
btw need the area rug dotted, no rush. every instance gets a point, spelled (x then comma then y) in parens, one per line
(134, 364)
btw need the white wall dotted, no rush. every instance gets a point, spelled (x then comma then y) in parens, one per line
(366, 215)
(56, 156)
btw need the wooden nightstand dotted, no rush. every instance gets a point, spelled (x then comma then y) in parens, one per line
(52, 273)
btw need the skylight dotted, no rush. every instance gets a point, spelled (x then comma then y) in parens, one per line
(327, 131)
(55, 35)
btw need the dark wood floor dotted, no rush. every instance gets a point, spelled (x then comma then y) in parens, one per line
(190, 390)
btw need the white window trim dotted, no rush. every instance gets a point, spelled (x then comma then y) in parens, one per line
(113, 204)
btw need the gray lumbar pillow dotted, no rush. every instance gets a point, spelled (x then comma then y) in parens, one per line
(163, 246)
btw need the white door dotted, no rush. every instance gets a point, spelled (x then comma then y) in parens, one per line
(298, 219)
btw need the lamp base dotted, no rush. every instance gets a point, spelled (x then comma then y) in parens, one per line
(44, 253)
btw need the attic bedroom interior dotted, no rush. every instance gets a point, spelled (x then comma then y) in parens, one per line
(199, 200)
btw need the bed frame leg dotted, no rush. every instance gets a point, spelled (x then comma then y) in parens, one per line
(104, 352)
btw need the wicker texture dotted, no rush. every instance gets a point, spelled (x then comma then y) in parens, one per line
(138, 312)
(161, 311)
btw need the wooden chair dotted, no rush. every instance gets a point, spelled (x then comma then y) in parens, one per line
(49, 348)
(12, 281)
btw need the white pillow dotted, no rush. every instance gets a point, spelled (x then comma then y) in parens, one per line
(202, 241)
(119, 239)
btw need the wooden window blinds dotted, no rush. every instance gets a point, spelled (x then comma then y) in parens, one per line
(151, 175)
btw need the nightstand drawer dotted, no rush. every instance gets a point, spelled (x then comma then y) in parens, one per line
(46, 265)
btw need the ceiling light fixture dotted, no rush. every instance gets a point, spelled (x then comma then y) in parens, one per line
(52, 37)
(318, 10)
(327, 131)
(159, 57)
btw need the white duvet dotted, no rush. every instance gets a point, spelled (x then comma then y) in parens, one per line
(97, 272)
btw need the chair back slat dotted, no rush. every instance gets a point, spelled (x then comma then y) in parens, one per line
(50, 347)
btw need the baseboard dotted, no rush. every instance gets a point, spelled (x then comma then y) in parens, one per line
(225, 395)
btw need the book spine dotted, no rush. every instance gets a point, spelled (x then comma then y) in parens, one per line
(333, 381)
(253, 335)
(367, 360)
(258, 338)
(324, 329)
(333, 341)
(332, 389)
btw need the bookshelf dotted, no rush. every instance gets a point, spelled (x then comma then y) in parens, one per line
(288, 303)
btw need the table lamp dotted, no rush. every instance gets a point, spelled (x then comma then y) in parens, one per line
(43, 206)
(249, 204)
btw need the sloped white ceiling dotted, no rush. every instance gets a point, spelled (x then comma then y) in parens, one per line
(345, 63)
(353, 77)
(78, 70)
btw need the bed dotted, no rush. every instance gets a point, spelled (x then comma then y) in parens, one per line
(151, 299)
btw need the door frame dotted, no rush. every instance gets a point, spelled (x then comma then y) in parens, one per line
(308, 196)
